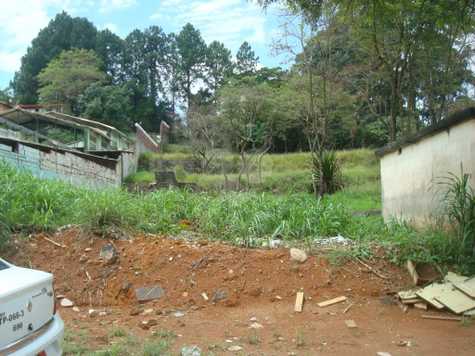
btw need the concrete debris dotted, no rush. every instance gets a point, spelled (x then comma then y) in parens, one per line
(256, 326)
(382, 353)
(66, 303)
(333, 241)
(298, 255)
(219, 295)
(109, 254)
(92, 313)
(205, 296)
(451, 294)
(193, 350)
(350, 324)
(76, 309)
(145, 294)
(178, 314)
(235, 348)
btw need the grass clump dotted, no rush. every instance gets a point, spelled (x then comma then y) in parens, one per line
(141, 177)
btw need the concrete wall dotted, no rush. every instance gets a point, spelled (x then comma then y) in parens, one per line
(62, 165)
(409, 177)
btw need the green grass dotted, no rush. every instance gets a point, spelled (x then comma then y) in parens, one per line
(245, 218)
(141, 177)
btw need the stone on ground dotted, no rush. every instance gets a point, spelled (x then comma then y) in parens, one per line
(190, 351)
(298, 255)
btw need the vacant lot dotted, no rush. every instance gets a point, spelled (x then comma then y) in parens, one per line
(223, 285)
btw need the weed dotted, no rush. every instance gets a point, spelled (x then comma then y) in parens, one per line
(300, 338)
(117, 332)
(254, 339)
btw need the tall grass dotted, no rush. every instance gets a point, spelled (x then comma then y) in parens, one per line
(30, 204)
(459, 200)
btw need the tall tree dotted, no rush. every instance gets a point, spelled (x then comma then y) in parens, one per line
(62, 33)
(192, 51)
(110, 49)
(65, 78)
(219, 65)
(246, 59)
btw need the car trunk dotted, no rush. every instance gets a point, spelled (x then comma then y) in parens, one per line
(26, 302)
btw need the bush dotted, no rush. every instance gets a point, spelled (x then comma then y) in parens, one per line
(326, 173)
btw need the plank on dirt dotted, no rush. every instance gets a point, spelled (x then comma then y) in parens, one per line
(456, 301)
(468, 287)
(326, 303)
(407, 294)
(441, 317)
(144, 294)
(432, 291)
(299, 302)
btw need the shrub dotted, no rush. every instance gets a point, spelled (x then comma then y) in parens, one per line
(326, 173)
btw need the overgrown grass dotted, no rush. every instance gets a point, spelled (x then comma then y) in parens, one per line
(29, 204)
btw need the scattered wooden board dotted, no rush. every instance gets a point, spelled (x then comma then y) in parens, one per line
(407, 294)
(326, 303)
(432, 291)
(441, 317)
(455, 300)
(454, 278)
(411, 301)
(299, 302)
(412, 272)
(468, 287)
(422, 306)
(350, 324)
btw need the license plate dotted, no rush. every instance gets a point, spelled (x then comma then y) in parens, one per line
(14, 317)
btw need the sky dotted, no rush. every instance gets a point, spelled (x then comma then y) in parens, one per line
(227, 21)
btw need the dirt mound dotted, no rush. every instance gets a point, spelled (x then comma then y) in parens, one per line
(191, 272)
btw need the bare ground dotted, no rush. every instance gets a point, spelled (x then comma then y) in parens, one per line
(256, 285)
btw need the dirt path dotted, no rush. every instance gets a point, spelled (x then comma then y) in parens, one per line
(248, 287)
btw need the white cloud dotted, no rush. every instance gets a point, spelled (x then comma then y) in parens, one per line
(111, 27)
(109, 5)
(227, 21)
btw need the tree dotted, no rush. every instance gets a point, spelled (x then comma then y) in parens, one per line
(252, 115)
(246, 59)
(110, 49)
(219, 65)
(192, 51)
(110, 104)
(205, 135)
(62, 33)
(65, 78)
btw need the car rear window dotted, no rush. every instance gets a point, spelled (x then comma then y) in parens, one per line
(3, 265)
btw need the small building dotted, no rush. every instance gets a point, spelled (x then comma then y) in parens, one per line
(413, 169)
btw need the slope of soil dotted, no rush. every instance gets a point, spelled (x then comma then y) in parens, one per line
(239, 284)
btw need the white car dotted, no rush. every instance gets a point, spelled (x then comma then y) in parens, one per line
(29, 324)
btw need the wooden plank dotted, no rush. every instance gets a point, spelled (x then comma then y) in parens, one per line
(299, 302)
(468, 287)
(411, 301)
(441, 317)
(327, 303)
(454, 278)
(350, 324)
(412, 272)
(456, 301)
(422, 306)
(407, 294)
(432, 291)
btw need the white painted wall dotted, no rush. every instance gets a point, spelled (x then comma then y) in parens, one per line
(409, 178)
